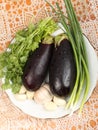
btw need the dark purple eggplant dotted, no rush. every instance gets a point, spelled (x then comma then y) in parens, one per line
(62, 72)
(36, 67)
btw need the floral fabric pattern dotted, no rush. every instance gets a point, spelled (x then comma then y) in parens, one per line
(15, 15)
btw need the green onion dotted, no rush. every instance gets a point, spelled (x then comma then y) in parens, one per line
(75, 36)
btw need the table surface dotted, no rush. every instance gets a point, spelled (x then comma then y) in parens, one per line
(15, 15)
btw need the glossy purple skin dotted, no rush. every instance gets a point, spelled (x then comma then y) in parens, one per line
(62, 72)
(37, 66)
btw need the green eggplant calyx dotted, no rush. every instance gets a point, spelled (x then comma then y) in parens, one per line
(48, 40)
(59, 38)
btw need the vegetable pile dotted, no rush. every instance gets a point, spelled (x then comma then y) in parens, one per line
(34, 53)
(12, 61)
(72, 29)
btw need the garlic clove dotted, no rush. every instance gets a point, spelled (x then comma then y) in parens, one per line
(59, 101)
(22, 90)
(50, 106)
(30, 95)
(42, 95)
(47, 87)
(20, 97)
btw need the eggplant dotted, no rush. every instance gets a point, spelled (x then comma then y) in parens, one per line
(36, 67)
(62, 71)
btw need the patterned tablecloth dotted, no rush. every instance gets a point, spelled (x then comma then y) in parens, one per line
(16, 14)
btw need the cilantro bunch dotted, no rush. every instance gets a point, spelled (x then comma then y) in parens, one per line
(14, 58)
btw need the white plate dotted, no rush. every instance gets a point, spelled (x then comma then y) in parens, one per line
(35, 110)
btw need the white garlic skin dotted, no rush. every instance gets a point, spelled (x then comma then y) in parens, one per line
(47, 87)
(59, 101)
(50, 106)
(20, 97)
(22, 90)
(30, 95)
(42, 96)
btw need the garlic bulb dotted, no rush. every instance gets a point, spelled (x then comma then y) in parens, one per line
(42, 95)
(59, 101)
(30, 95)
(20, 97)
(47, 87)
(22, 90)
(50, 106)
